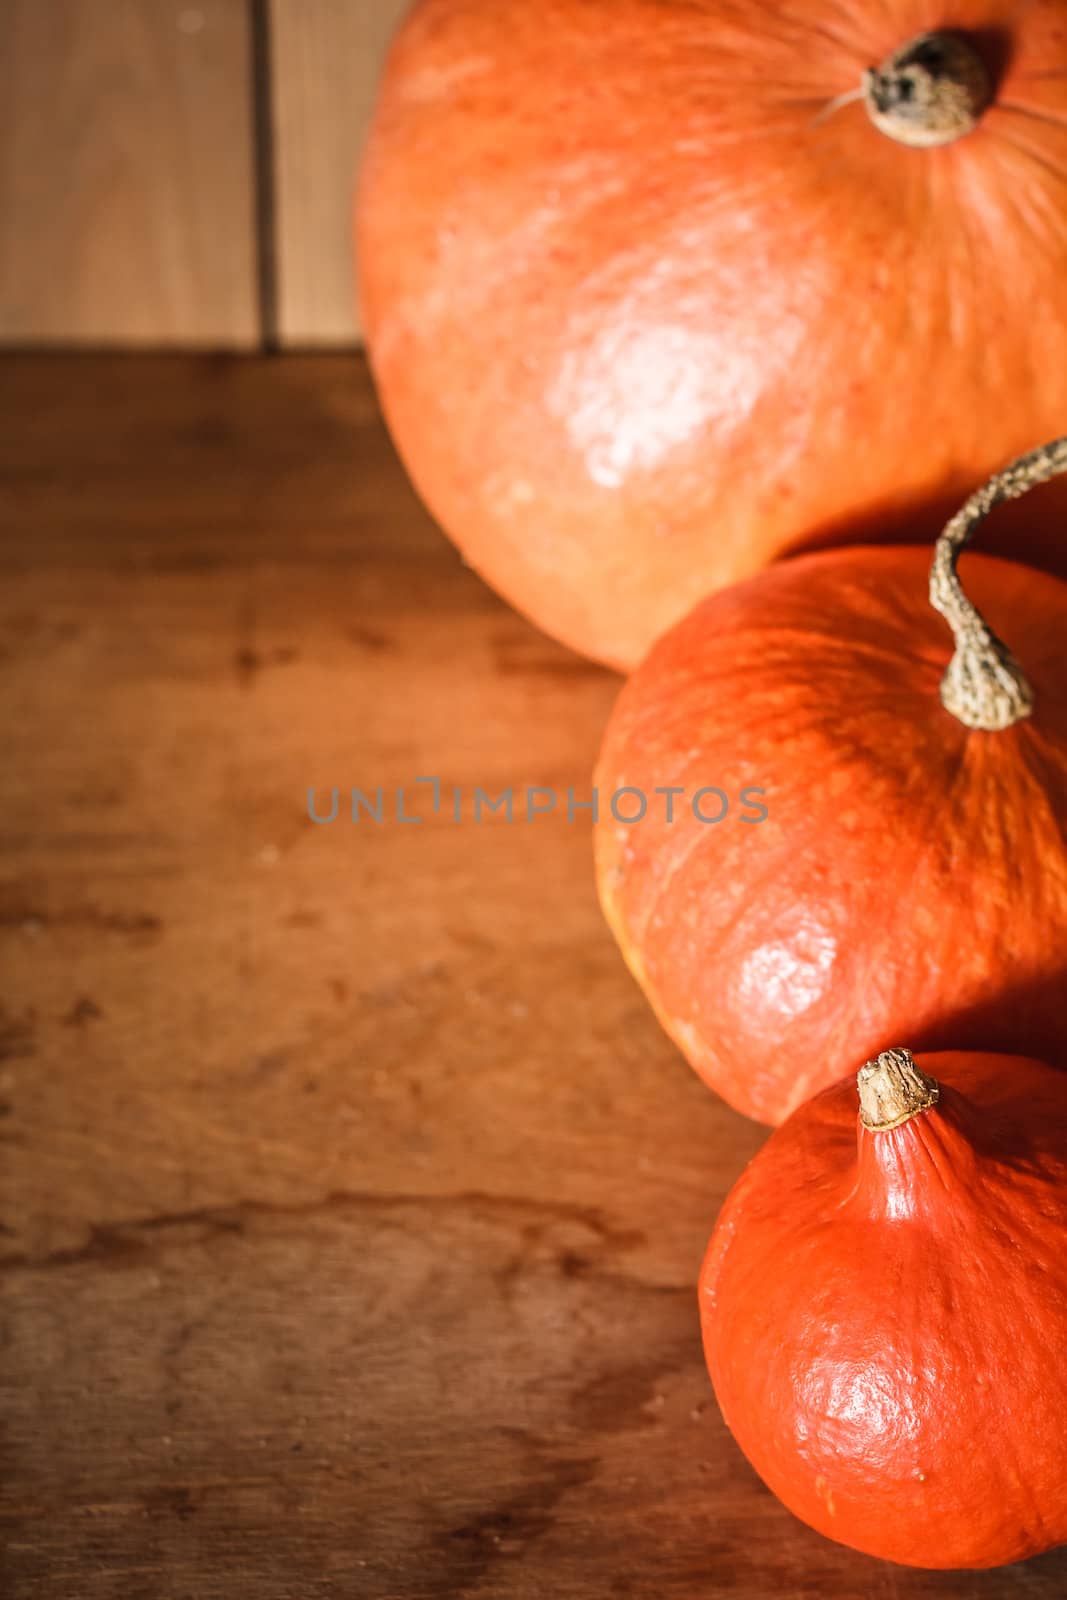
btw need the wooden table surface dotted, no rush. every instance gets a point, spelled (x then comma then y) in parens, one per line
(352, 1199)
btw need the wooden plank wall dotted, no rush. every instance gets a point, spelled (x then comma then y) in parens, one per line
(326, 58)
(179, 172)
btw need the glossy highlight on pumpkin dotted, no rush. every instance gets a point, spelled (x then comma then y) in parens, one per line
(882, 1313)
(911, 874)
(643, 316)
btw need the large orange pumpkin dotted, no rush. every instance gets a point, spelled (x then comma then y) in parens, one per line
(884, 859)
(644, 316)
(884, 1324)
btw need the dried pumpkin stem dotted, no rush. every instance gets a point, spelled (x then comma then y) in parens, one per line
(893, 1089)
(932, 90)
(984, 686)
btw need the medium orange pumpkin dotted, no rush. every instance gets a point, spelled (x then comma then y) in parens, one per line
(885, 864)
(884, 1322)
(644, 316)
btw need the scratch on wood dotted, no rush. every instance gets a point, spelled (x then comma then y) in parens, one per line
(83, 1010)
(508, 1527)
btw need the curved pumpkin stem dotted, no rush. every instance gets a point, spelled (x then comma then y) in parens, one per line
(929, 92)
(893, 1089)
(984, 686)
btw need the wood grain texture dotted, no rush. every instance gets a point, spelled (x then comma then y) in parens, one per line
(352, 1201)
(326, 59)
(126, 173)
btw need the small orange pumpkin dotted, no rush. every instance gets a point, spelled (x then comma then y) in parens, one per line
(884, 1322)
(656, 291)
(910, 872)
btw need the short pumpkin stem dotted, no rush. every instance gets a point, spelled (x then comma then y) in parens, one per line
(928, 92)
(984, 686)
(893, 1090)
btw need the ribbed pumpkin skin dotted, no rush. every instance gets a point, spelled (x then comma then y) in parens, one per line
(910, 878)
(884, 1326)
(641, 323)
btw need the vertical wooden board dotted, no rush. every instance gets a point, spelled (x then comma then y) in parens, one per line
(327, 56)
(127, 189)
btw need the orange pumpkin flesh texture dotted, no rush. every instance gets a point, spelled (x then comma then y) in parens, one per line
(910, 877)
(884, 1325)
(642, 319)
